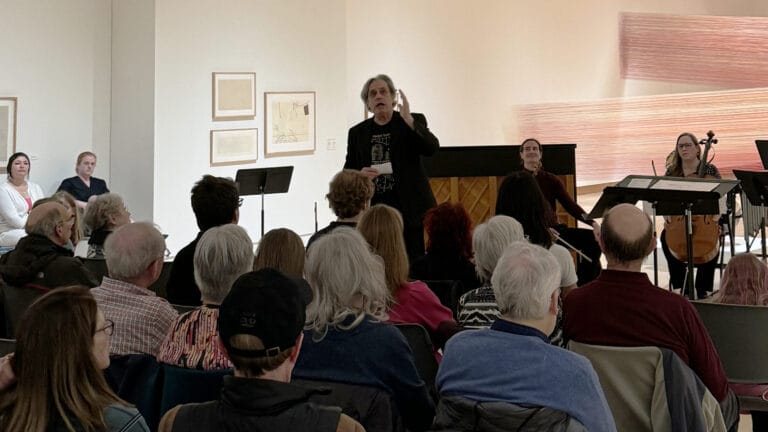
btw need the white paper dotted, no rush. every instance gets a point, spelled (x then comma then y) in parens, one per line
(639, 183)
(385, 168)
(683, 185)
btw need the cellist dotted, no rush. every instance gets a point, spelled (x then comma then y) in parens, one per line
(685, 161)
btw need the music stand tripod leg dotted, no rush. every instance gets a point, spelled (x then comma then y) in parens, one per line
(689, 284)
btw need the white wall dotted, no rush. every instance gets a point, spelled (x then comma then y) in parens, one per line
(54, 57)
(292, 45)
(467, 64)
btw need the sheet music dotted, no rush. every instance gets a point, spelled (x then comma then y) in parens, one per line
(639, 183)
(683, 185)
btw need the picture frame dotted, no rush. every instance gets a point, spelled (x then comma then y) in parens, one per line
(289, 123)
(234, 96)
(234, 146)
(8, 109)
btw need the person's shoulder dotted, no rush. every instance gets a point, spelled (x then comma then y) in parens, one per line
(187, 252)
(362, 125)
(123, 418)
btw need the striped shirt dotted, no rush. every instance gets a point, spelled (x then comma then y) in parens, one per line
(192, 342)
(141, 318)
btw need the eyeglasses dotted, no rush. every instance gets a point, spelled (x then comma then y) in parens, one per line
(684, 145)
(109, 328)
(239, 202)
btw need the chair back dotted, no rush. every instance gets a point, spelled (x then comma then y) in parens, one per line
(448, 291)
(158, 287)
(371, 406)
(7, 346)
(16, 300)
(652, 389)
(423, 352)
(182, 385)
(137, 379)
(742, 348)
(96, 266)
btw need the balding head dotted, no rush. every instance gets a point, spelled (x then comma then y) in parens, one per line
(133, 250)
(52, 220)
(626, 235)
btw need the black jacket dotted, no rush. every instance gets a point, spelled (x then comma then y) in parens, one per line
(407, 148)
(38, 260)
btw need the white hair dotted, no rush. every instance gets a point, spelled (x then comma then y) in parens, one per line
(223, 254)
(346, 279)
(525, 278)
(489, 241)
(132, 248)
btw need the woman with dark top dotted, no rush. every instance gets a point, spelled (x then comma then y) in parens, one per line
(105, 214)
(745, 282)
(83, 186)
(55, 381)
(347, 340)
(449, 247)
(684, 162)
(554, 191)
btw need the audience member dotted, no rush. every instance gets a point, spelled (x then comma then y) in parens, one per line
(412, 301)
(41, 257)
(62, 346)
(83, 186)
(347, 340)
(68, 201)
(134, 254)
(222, 255)
(520, 197)
(513, 361)
(745, 282)
(634, 312)
(17, 194)
(477, 308)
(104, 214)
(449, 247)
(281, 249)
(261, 323)
(349, 193)
(215, 201)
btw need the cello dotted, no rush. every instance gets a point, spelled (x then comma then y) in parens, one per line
(705, 228)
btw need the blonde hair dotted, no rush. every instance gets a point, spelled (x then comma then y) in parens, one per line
(68, 200)
(346, 280)
(103, 207)
(382, 227)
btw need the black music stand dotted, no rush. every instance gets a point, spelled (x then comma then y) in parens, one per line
(677, 199)
(262, 181)
(755, 187)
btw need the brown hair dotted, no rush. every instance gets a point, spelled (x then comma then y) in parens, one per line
(255, 366)
(69, 201)
(349, 193)
(283, 250)
(674, 163)
(382, 227)
(84, 155)
(58, 376)
(538, 144)
(744, 281)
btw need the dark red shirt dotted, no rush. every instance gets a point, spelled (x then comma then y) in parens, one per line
(622, 308)
(553, 190)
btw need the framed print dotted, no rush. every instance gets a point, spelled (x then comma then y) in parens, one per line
(7, 128)
(234, 146)
(289, 123)
(234, 96)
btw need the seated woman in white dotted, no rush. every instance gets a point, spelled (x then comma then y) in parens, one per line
(17, 195)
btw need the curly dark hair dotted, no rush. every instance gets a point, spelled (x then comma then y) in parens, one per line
(520, 197)
(449, 229)
(349, 193)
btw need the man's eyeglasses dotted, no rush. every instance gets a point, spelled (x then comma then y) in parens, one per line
(108, 328)
(239, 202)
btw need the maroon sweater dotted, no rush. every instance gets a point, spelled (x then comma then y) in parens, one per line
(553, 190)
(622, 308)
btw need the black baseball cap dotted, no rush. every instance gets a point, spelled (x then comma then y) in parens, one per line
(266, 304)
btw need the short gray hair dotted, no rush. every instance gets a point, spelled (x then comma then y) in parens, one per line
(223, 254)
(489, 240)
(98, 211)
(344, 272)
(132, 248)
(525, 278)
(381, 77)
